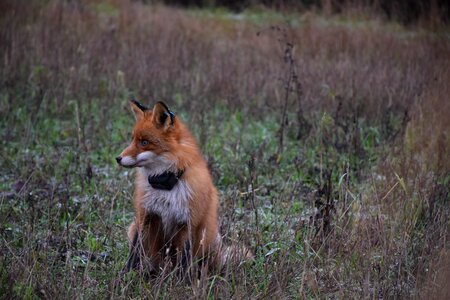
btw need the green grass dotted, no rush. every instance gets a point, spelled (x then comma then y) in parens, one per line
(72, 227)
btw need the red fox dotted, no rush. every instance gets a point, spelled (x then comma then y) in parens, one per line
(175, 200)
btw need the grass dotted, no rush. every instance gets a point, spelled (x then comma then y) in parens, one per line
(353, 203)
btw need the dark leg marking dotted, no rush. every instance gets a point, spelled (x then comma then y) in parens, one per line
(134, 258)
(186, 255)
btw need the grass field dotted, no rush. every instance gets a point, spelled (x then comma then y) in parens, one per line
(327, 137)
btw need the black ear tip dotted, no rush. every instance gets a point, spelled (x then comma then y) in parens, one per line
(163, 105)
(167, 113)
(138, 104)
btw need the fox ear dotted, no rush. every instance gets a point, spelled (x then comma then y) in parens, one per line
(138, 109)
(162, 116)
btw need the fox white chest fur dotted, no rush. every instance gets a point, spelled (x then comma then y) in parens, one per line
(172, 206)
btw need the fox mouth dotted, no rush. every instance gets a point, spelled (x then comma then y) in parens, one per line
(128, 166)
(128, 162)
(136, 164)
(147, 160)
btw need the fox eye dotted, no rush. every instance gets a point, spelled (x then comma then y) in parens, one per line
(143, 143)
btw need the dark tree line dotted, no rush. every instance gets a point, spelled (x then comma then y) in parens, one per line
(406, 11)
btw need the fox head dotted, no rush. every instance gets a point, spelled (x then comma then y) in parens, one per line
(155, 139)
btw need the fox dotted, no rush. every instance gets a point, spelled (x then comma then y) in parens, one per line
(175, 201)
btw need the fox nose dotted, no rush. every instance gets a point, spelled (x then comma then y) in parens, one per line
(118, 159)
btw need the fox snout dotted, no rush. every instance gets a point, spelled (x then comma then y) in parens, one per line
(120, 161)
(127, 161)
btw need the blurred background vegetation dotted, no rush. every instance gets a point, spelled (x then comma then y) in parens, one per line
(325, 125)
(405, 11)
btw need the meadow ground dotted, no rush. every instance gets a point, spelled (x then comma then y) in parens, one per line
(327, 137)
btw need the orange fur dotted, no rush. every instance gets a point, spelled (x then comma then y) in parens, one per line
(171, 143)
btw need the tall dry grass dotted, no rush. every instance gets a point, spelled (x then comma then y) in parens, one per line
(84, 49)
